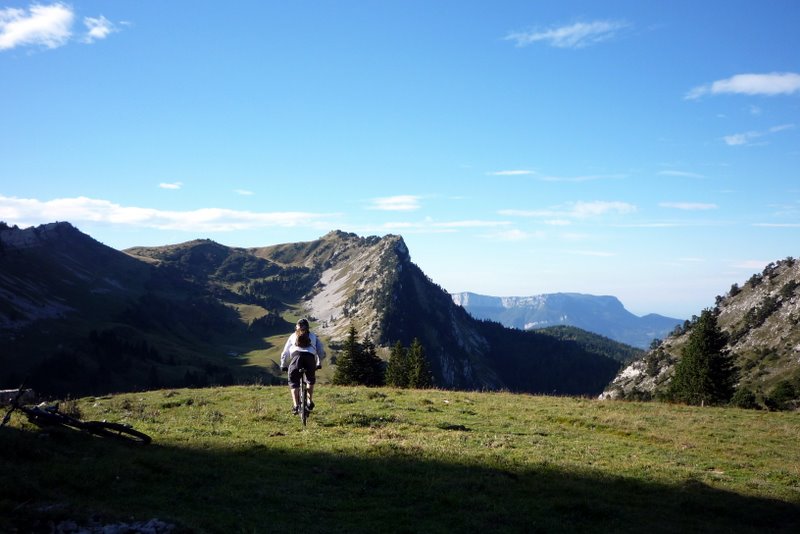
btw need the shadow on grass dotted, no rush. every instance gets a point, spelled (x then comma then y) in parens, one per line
(268, 488)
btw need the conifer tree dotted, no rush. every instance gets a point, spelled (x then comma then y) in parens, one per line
(358, 363)
(419, 375)
(705, 373)
(371, 366)
(346, 373)
(397, 369)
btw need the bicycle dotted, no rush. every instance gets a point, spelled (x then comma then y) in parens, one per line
(43, 416)
(304, 411)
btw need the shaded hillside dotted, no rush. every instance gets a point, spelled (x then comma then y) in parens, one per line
(83, 318)
(78, 317)
(603, 315)
(761, 320)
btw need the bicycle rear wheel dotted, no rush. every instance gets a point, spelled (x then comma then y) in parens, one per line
(303, 399)
(117, 431)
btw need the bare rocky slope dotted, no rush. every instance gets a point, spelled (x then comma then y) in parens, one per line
(762, 321)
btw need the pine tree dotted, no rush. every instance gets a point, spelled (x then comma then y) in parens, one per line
(347, 361)
(705, 373)
(371, 366)
(419, 375)
(397, 368)
(358, 363)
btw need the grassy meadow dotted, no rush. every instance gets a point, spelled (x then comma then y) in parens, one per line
(235, 460)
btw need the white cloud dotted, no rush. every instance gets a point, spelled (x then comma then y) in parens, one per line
(747, 138)
(576, 210)
(777, 225)
(243, 192)
(48, 26)
(578, 35)
(98, 28)
(775, 83)
(172, 185)
(29, 212)
(597, 208)
(396, 203)
(688, 206)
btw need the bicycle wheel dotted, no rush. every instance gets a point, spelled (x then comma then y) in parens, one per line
(303, 399)
(117, 431)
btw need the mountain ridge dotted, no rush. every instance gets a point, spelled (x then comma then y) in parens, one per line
(602, 314)
(200, 312)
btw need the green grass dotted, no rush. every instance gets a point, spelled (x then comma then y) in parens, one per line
(234, 460)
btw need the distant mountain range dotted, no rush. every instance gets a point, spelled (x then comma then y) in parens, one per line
(603, 315)
(78, 317)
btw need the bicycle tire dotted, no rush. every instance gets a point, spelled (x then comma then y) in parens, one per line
(119, 431)
(303, 399)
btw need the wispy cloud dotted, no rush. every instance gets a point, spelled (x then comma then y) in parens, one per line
(747, 138)
(243, 192)
(575, 210)
(98, 28)
(774, 83)
(396, 203)
(46, 26)
(577, 35)
(777, 225)
(688, 206)
(28, 212)
(171, 185)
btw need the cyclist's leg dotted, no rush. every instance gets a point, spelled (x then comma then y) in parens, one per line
(310, 364)
(294, 381)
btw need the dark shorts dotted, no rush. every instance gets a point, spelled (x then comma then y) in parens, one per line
(307, 361)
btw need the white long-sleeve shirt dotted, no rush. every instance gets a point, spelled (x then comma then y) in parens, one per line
(291, 348)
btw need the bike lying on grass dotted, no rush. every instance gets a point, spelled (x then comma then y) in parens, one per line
(44, 416)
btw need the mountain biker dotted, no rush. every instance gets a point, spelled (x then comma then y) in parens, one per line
(303, 350)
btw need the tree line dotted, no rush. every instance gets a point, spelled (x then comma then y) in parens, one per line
(359, 364)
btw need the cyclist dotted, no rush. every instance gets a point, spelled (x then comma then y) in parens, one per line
(303, 350)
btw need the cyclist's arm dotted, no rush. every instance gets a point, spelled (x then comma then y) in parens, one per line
(285, 353)
(320, 352)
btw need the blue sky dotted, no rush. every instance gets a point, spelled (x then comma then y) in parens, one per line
(647, 150)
